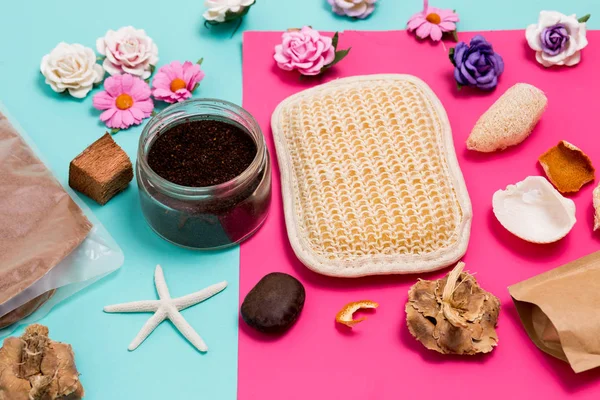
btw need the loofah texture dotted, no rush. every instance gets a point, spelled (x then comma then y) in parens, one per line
(370, 180)
(509, 120)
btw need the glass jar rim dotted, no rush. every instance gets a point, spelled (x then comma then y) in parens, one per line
(201, 191)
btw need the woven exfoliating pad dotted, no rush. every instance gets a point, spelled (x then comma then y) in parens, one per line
(369, 177)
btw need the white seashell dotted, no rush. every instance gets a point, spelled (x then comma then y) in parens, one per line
(534, 210)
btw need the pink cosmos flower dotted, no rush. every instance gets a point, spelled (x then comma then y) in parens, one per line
(304, 50)
(176, 82)
(432, 22)
(126, 101)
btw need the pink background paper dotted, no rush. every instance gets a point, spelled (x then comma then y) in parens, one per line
(318, 359)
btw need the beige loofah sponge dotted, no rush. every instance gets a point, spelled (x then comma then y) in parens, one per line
(369, 177)
(509, 120)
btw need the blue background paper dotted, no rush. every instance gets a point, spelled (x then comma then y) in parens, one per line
(166, 366)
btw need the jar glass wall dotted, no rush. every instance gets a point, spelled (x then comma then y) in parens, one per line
(208, 217)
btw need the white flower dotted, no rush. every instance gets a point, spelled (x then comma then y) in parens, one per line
(217, 9)
(557, 39)
(353, 8)
(129, 51)
(71, 67)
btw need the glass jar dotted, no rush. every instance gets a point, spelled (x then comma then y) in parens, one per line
(210, 217)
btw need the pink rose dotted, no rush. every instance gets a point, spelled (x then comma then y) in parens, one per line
(304, 50)
(128, 51)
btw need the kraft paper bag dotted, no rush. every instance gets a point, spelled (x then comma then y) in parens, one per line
(560, 310)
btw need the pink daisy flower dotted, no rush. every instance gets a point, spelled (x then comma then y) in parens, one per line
(432, 22)
(175, 82)
(126, 101)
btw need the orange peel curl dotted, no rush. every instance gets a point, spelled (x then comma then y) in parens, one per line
(346, 314)
(567, 167)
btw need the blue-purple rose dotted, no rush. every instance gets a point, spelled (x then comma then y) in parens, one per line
(476, 64)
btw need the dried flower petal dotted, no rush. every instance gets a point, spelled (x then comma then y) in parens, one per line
(453, 315)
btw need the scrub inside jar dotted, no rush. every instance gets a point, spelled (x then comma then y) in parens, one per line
(202, 152)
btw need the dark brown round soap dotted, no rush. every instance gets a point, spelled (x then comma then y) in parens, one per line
(274, 304)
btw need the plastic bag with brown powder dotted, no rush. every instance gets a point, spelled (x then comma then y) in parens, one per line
(39, 223)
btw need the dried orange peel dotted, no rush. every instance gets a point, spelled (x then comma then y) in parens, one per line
(345, 316)
(567, 167)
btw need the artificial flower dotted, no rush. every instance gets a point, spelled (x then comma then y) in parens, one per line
(126, 101)
(476, 64)
(220, 11)
(557, 39)
(71, 67)
(176, 82)
(353, 8)
(307, 51)
(128, 50)
(433, 22)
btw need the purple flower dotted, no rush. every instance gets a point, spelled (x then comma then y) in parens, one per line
(554, 39)
(476, 64)
(558, 39)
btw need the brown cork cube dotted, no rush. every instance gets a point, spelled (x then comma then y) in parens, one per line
(101, 171)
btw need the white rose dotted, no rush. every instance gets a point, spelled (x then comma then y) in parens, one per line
(217, 9)
(129, 51)
(71, 67)
(353, 8)
(557, 39)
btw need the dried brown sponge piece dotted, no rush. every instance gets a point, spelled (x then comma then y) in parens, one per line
(567, 167)
(453, 315)
(101, 171)
(509, 120)
(345, 316)
(34, 367)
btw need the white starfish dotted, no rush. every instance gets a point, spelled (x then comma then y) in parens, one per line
(167, 308)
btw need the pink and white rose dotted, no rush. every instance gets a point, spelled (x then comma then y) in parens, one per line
(304, 50)
(128, 50)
